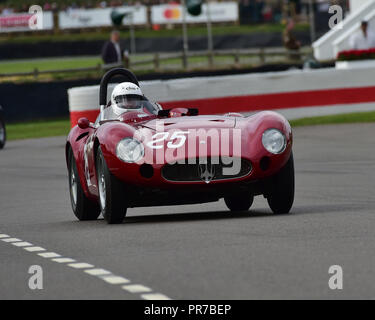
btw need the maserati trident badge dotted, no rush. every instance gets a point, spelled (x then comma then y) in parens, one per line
(206, 172)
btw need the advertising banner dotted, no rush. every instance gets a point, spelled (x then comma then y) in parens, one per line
(20, 22)
(91, 18)
(172, 13)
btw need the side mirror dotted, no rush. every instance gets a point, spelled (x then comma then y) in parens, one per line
(83, 123)
(178, 112)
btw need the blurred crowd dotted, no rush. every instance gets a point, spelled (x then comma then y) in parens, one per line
(253, 11)
(262, 11)
(13, 6)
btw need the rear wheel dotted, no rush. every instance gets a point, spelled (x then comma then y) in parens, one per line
(111, 192)
(83, 208)
(3, 135)
(241, 202)
(281, 194)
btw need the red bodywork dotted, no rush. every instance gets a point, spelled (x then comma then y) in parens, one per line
(156, 189)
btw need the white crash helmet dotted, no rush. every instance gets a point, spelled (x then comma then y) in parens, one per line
(126, 96)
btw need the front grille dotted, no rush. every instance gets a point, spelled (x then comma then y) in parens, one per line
(212, 169)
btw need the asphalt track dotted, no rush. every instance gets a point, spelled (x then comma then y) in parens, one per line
(200, 251)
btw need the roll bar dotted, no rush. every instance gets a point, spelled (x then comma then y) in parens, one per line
(130, 76)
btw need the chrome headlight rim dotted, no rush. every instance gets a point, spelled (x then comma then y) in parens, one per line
(283, 136)
(128, 160)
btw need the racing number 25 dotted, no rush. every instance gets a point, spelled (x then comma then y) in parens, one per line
(180, 136)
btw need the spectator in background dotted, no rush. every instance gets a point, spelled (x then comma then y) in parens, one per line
(47, 7)
(364, 39)
(112, 52)
(289, 40)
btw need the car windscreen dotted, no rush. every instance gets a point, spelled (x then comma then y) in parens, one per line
(145, 106)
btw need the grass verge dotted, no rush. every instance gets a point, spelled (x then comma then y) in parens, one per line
(103, 34)
(61, 127)
(358, 117)
(38, 129)
(28, 65)
(64, 67)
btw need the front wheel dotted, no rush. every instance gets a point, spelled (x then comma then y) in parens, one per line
(3, 135)
(83, 208)
(111, 192)
(281, 194)
(240, 202)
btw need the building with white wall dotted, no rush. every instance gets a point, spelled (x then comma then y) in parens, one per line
(337, 39)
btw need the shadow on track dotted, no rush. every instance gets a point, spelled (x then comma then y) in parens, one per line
(219, 215)
(194, 216)
(170, 218)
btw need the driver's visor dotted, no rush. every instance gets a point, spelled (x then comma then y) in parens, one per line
(129, 101)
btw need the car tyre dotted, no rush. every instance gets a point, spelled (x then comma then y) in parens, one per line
(84, 209)
(111, 192)
(239, 202)
(3, 134)
(281, 193)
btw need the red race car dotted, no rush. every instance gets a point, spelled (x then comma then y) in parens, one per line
(136, 154)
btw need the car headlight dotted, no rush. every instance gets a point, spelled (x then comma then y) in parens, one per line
(130, 150)
(274, 141)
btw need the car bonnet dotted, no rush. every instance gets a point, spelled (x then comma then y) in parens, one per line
(195, 122)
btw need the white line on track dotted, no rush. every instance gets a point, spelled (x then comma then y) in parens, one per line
(63, 260)
(136, 288)
(22, 244)
(115, 279)
(80, 265)
(146, 292)
(97, 272)
(154, 296)
(11, 240)
(34, 249)
(49, 255)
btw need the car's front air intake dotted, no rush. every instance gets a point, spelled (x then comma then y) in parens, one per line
(212, 169)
